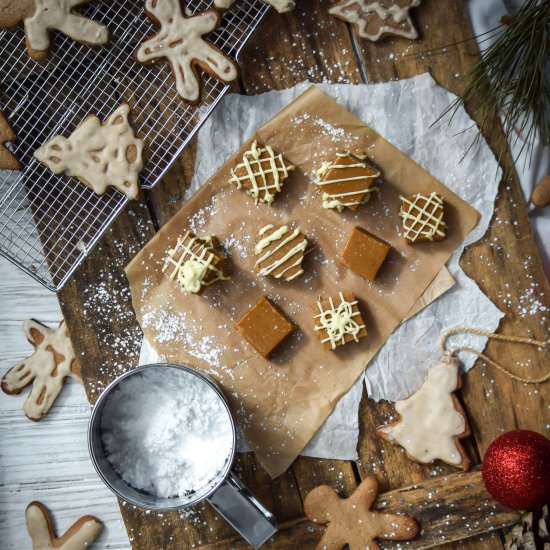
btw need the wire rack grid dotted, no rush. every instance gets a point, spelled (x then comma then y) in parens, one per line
(48, 223)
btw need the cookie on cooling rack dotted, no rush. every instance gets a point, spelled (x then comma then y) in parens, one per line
(180, 41)
(7, 160)
(40, 18)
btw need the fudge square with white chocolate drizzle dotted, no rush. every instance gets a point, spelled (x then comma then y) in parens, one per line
(194, 263)
(338, 321)
(423, 217)
(347, 181)
(262, 172)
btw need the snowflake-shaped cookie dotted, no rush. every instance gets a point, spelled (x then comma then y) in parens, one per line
(180, 41)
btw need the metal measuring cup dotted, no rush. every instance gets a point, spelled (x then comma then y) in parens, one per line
(225, 492)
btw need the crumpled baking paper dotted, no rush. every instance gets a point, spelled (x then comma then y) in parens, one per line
(403, 112)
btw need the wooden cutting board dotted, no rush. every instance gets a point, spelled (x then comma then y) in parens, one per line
(309, 44)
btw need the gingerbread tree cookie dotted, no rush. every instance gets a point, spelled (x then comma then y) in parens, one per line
(46, 369)
(40, 17)
(7, 160)
(432, 421)
(280, 252)
(376, 19)
(180, 41)
(79, 536)
(352, 521)
(99, 154)
(282, 6)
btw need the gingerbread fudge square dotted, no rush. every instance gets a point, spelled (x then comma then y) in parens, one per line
(265, 327)
(261, 173)
(338, 320)
(423, 217)
(364, 253)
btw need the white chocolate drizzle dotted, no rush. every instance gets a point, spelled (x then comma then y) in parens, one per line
(429, 421)
(337, 321)
(192, 259)
(338, 200)
(257, 172)
(422, 221)
(266, 265)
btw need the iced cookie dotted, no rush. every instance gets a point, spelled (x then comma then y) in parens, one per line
(338, 320)
(431, 421)
(79, 536)
(262, 173)
(280, 251)
(40, 17)
(265, 327)
(282, 6)
(194, 263)
(423, 217)
(376, 19)
(100, 155)
(364, 253)
(347, 181)
(352, 521)
(7, 159)
(180, 41)
(52, 362)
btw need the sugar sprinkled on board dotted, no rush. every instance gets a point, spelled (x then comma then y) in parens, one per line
(167, 432)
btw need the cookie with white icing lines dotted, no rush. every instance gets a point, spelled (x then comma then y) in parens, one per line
(431, 421)
(282, 6)
(376, 19)
(423, 217)
(100, 155)
(7, 159)
(180, 40)
(40, 17)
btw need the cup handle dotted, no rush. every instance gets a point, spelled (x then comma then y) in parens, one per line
(240, 508)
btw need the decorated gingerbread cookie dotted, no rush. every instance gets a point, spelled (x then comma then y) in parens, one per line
(40, 17)
(180, 41)
(432, 421)
(423, 217)
(282, 6)
(100, 155)
(79, 536)
(376, 19)
(46, 369)
(280, 252)
(7, 160)
(352, 521)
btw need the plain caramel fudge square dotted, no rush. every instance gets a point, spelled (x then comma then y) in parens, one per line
(364, 253)
(265, 327)
(423, 217)
(338, 320)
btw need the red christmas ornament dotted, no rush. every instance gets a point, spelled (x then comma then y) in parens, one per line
(516, 469)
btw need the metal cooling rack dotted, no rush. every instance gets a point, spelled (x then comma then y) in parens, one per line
(48, 223)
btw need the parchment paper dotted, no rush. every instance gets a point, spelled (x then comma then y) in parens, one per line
(282, 403)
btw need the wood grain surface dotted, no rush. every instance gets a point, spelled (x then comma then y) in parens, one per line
(287, 49)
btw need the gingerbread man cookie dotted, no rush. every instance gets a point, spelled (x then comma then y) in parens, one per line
(352, 521)
(180, 41)
(46, 369)
(7, 160)
(79, 536)
(282, 6)
(42, 16)
(98, 154)
(376, 19)
(432, 421)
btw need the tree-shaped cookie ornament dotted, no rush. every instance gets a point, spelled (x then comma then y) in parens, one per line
(7, 160)
(98, 154)
(376, 19)
(352, 521)
(180, 41)
(40, 17)
(282, 6)
(79, 536)
(52, 362)
(431, 421)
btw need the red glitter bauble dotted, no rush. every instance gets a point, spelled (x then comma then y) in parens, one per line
(516, 469)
